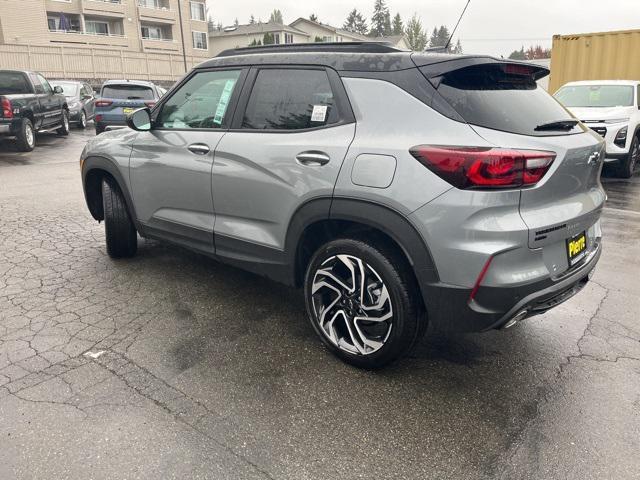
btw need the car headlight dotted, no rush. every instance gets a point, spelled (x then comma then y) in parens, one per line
(617, 120)
(621, 137)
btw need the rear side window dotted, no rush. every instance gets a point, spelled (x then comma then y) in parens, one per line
(12, 83)
(503, 97)
(128, 92)
(290, 99)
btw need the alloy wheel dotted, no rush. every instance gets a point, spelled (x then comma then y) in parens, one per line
(351, 305)
(83, 120)
(29, 135)
(65, 120)
(635, 154)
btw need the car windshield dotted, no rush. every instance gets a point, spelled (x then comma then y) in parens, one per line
(127, 92)
(68, 89)
(12, 83)
(595, 96)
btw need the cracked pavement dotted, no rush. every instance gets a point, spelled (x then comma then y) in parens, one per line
(199, 370)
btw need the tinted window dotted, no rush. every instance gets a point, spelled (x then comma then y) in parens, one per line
(504, 98)
(201, 102)
(290, 99)
(12, 83)
(47, 88)
(36, 83)
(596, 96)
(128, 92)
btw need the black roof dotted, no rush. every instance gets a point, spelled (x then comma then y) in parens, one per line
(349, 56)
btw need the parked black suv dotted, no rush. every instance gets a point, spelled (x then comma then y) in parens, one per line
(29, 105)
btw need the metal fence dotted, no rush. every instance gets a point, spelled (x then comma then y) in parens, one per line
(87, 63)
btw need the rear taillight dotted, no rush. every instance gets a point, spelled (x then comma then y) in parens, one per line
(484, 167)
(103, 103)
(150, 104)
(7, 108)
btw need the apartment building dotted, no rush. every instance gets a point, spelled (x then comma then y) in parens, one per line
(148, 26)
(253, 34)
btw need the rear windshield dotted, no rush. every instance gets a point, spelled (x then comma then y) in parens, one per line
(596, 96)
(127, 92)
(503, 97)
(12, 83)
(68, 89)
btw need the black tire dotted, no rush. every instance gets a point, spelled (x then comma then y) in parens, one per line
(64, 129)
(627, 167)
(82, 120)
(408, 320)
(120, 232)
(26, 137)
(99, 129)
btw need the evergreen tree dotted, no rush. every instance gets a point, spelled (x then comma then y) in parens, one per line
(236, 22)
(380, 20)
(518, 54)
(252, 20)
(416, 36)
(397, 27)
(255, 43)
(313, 17)
(268, 39)
(458, 48)
(276, 17)
(356, 22)
(440, 37)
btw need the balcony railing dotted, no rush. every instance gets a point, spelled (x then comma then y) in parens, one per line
(154, 6)
(78, 32)
(170, 40)
(115, 2)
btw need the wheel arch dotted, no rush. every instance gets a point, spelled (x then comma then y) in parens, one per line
(312, 226)
(94, 170)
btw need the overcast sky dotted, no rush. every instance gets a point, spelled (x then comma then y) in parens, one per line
(496, 27)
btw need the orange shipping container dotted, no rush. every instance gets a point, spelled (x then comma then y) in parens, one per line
(595, 56)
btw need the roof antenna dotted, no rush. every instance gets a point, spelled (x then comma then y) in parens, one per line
(456, 27)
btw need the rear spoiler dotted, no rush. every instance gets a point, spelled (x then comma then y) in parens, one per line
(435, 68)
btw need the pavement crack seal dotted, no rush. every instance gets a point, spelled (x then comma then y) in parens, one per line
(182, 407)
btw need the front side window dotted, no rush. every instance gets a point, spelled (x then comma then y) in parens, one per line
(202, 102)
(197, 11)
(45, 85)
(290, 99)
(200, 40)
(596, 96)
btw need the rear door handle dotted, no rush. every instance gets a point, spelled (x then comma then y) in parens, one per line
(313, 158)
(199, 148)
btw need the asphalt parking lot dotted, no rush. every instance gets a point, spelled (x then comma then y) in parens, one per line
(171, 365)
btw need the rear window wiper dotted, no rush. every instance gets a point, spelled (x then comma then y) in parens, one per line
(559, 125)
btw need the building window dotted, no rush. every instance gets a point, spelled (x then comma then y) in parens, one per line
(157, 4)
(288, 38)
(97, 27)
(327, 39)
(200, 40)
(151, 32)
(198, 11)
(276, 38)
(59, 22)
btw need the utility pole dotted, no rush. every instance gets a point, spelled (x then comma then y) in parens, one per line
(184, 50)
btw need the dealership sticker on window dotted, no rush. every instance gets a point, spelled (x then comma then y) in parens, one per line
(223, 102)
(319, 113)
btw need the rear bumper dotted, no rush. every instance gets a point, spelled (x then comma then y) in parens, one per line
(7, 129)
(449, 308)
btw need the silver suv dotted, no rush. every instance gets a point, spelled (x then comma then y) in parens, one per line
(398, 189)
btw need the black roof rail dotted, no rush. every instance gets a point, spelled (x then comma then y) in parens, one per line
(346, 47)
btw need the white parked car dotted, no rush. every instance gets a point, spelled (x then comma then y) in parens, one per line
(612, 109)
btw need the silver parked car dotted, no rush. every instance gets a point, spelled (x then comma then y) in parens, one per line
(398, 189)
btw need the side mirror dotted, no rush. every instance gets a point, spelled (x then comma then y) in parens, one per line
(140, 120)
(58, 90)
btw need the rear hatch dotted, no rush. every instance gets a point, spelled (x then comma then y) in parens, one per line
(505, 105)
(118, 100)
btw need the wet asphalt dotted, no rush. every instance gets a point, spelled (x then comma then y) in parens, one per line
(171, 365)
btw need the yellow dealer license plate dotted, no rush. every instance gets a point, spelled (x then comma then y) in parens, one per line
(127, 111)
(577, 248)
